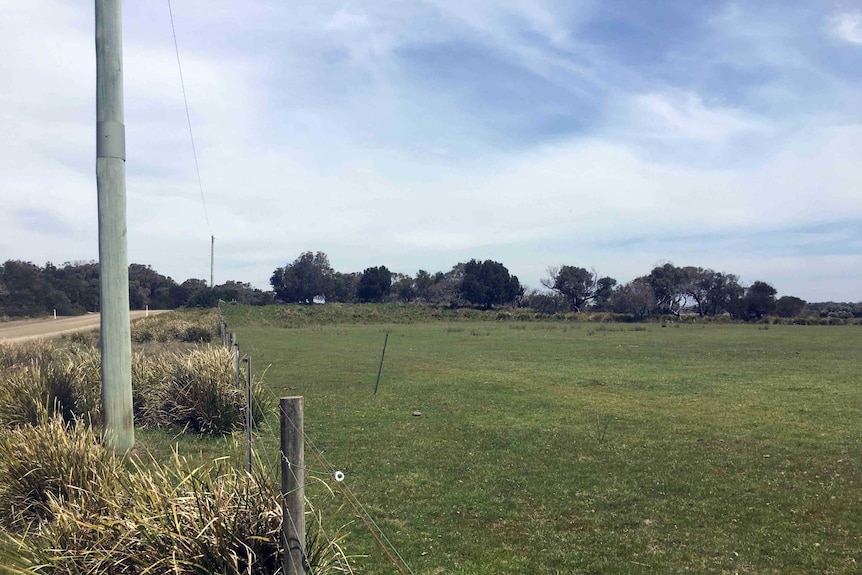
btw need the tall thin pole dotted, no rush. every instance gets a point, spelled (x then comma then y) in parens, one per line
(212, 261)
(115, 341)
(380, 369)
(249, 418)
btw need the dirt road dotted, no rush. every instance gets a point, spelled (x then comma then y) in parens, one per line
(47, 328)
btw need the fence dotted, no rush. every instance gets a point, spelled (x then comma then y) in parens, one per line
(292, 458)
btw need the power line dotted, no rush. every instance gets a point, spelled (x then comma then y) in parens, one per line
(189, 118)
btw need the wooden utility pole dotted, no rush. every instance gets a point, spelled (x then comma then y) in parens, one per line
(292, 485)
(115, 341)
(212, 261)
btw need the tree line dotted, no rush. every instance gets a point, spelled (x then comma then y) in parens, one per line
(73, 288)
(666, 290)
(310, 278)
(28, 290)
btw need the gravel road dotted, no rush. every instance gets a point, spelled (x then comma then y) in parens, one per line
(47, 328)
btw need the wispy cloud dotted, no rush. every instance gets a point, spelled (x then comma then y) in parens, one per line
(685, 115)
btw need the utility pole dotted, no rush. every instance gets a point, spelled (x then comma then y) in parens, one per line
(115, 340)
(212, 261)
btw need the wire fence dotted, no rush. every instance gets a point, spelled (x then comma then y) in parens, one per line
(326, 469)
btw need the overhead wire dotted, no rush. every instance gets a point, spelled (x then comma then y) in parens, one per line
(189, 119)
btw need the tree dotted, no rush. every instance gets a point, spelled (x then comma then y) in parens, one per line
(197, 293)
(669, 285)
(712, 291)
(789, 306)
(423, 283)
(604, 291)
(242, 293)
(758, 301)
(723, 289)
(488, 283)
(374, 284)
(577, 285)
(635, 298)
(308, 276)
(446, 288)
(342, 287)
(761, 299)
(79, 282)
(26, 289)
(403, 287)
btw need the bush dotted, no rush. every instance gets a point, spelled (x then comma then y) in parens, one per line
(189, 326)
(547, 303)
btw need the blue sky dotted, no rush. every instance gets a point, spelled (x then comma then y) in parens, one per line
(607, 135)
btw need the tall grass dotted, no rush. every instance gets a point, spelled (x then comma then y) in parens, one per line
(298, 316)
(195, 389)
(47, 464)
(187, 326)
(39, 375)
(71, 506)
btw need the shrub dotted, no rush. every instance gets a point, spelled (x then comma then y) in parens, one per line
(16, 354)
(65, 379)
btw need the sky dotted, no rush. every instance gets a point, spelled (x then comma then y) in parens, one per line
(614, 135)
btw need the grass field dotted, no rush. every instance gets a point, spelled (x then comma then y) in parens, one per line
(583, 448)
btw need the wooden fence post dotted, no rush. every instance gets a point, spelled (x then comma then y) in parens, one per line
(292, 485)
(249, 416)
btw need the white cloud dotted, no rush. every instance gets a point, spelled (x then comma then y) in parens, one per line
(847, 26)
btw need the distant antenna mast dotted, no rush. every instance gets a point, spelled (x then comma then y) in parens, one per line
(212, 261)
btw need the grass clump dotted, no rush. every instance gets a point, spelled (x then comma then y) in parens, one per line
(44, 464)
(196, 390)
(40, 375)
(70, 505)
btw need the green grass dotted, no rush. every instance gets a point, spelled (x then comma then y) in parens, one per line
(581, 448)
